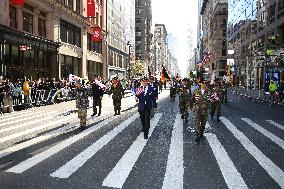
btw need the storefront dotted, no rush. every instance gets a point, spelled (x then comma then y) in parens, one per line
(26, 55)
(94, 68)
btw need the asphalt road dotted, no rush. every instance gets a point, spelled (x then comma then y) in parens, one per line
(43, 148)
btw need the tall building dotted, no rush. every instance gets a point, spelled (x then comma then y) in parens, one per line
(160, 36)
(49, 39)
(120, 29)
(214, 37)
(143, 35)
(256, 40)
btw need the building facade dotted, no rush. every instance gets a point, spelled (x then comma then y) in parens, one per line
(120, 30)
(256, 40)
(160, 37)
(214, 37)
(143, 35)
(50, 39)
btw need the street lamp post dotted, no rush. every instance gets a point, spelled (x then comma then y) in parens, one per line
(129, 65)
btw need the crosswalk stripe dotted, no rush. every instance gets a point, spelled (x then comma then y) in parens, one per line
(120, 172)
(26, 123)
(25, 165)
(230, 173)
(16, 117)
(266, 133)
(17, 113)
(36, 140)
(175, 169)
(31, 130)
(17, 120)
(78, 161)
(275, 124)
(273, 170)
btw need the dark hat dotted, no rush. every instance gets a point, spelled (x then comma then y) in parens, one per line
(145, 79)
(115, 78)
(151, 77)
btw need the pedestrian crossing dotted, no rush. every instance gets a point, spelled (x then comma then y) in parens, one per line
(173, 173)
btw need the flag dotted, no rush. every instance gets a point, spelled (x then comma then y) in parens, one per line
(139, 91)
(18, 2)
(96, 35)
(164, 74)
(91, 8)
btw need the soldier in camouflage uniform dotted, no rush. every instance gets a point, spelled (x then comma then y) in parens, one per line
(117, 93)
(82, 103)
(199, 104)
(225, 92)
(184, 98)
(215, 99)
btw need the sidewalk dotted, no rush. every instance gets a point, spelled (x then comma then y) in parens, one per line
(255, 95)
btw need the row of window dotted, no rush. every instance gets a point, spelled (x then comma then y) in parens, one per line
(70, 4)
(28, 20)
(70, 33)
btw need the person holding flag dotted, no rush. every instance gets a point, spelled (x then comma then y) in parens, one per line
(145, 95)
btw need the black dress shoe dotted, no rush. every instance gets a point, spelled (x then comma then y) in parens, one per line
(94, 114)
(99, 114)
(182, 117)
(197, 139)
(145, 135)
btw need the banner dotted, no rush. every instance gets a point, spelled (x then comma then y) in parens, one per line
(96, 35)
(91, 8)
(18, 2)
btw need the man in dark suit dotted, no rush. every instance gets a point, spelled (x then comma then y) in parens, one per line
(97, 93)
(145, 105)
(154, 86)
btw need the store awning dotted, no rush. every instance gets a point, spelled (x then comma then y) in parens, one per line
(13, 36)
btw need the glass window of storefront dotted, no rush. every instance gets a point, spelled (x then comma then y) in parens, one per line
(70, 65)
(94, 68)
(27, 22)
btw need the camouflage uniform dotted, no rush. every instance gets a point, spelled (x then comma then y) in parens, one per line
(225, 93)
(184, 98)
(215, 99)
(117, 93)
(200, 104)
(82, 103)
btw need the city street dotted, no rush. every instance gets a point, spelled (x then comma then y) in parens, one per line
(44, 148)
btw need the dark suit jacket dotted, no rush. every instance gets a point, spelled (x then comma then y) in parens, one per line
(97, 91)
(146, 100)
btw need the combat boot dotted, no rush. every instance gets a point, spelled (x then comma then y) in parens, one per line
(118, 112)
(218, 120)
(115, 112)
(197, 138)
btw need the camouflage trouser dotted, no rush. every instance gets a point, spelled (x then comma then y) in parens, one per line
(117, 104)
(199, 122)
(82, 115)
(225, 96)
(183, 109)
(215, 106)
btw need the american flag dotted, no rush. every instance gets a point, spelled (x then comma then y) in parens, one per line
(139, 91)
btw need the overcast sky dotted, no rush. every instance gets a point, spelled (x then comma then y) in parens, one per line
(177, 15)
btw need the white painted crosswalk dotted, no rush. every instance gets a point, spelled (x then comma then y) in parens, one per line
(120, 172)
(175, 168)
(174, 171)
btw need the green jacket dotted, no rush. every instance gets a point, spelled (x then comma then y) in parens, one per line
(272, 87)
(200, 102)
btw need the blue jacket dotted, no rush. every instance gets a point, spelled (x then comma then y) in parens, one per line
(146, 100)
